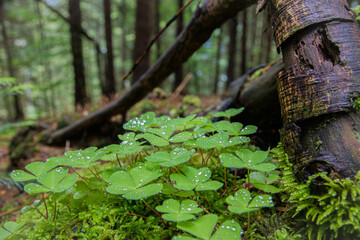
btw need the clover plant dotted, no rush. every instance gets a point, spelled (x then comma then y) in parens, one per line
(168, 173)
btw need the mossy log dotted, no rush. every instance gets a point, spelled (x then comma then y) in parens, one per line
(320, 43)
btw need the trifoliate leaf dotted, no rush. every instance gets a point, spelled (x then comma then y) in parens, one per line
(245, 158)
(175, 157)
(201, 228)
(131, 185)
(231, 112)
(176, 212)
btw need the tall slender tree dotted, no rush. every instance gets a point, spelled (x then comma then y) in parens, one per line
(77, 52)
(19, 111)
(143, 33)
(179, 27)
(243, 43)
(217, 61)
(110, 74)
(231, 52)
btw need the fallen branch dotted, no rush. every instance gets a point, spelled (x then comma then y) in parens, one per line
(209, 16)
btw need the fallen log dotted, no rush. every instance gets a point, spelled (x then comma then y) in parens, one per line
(207, 17)
(260, 98)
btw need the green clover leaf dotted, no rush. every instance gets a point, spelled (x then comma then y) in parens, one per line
(132, 185)
(231, 112)
(175, 157)
(35, 168)
(220, 140)
(245, 158)
(240, 203)
(193, 178)
(201, 228)
(263, 182)
(204, 226)
(140, 124)
(82, 158)
(9, 228)
(54, 181)
(176, 212)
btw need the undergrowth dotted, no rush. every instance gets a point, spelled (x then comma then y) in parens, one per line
(181, 178)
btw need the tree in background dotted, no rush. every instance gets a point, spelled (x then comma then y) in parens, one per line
(110, 88)
(143, 33)
(179, 27)
(231, 52)
(81, 97)
(19, 111)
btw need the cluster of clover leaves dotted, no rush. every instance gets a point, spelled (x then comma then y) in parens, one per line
(141, 174)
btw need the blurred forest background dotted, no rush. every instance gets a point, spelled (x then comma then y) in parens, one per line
(58, 56)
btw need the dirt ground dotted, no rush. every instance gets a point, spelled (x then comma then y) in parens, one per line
(11, 198)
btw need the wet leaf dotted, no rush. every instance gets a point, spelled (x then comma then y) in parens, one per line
(175, 157)
(240, 202)
(229, 112)
(201, 228)
(195, 178)
(82, 158)
(229, 230)
(140, 124)
(245, 158)
(131, 185)
(263, 182)
(176, 212)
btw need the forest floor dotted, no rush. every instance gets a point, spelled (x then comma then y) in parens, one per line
(13, 199)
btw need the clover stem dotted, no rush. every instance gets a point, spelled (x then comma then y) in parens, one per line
(166, 225)
(248, 172)
(157, 200)
(226, 187)
(42, 215)
(207, 159)
(118, 160)
(79, 174)
(202, 157)
(97, 177)
(234, 181)
(54, 210)
(207, 202)
(248, 227)
(46, 209)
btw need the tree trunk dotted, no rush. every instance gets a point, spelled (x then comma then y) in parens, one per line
(47, 74)
(143, 33)
(243, 43)
(320, 44)
(110, 75)
(179, 76)
(122, 8)
(205, 20)
(217, 62)
(157, 26)
(76, 47)
(19, 112)
(231, 53)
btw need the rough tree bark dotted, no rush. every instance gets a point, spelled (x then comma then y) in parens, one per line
(179, 76)
(230, 72)
(320, 43)
(143, 33)
(109, 71)
(77, 53)
(209, 16)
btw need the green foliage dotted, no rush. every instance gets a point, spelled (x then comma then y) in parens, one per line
(104, 203)
(332, 213)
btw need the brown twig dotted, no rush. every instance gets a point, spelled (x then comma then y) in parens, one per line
(166, 225)
(20, 207)
(134, 214)
(139, 59)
